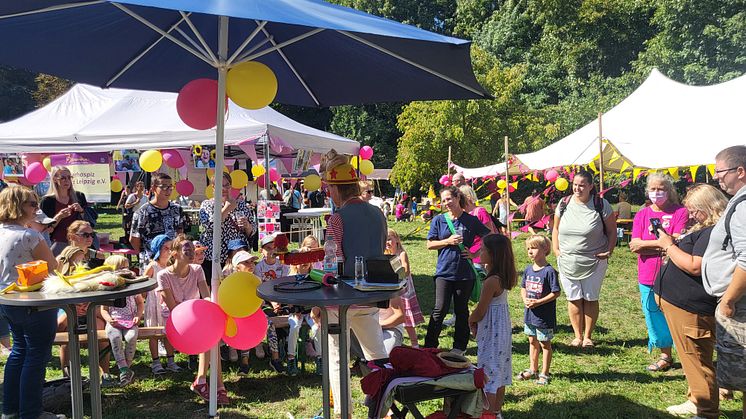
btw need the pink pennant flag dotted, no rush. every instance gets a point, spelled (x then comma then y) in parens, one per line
(624, 183)
(514, 234)
(511, 216)
(293, 182)
(288, 163)
(524, 228)
(247, 146)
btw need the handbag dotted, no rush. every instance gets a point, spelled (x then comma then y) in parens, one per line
(479, 274)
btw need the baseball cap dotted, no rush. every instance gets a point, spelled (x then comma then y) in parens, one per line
(42, 218)
(236, 244)
(270, 238)
(243, 256)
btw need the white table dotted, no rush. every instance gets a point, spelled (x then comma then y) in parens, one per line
(311, 217)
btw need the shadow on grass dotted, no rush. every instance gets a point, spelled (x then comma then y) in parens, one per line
(597, 407)
(612, 376)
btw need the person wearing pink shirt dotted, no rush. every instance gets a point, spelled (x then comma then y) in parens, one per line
(673, 218)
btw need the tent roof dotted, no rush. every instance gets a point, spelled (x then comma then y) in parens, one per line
(662, 124)
(88, 118)
(379, 174)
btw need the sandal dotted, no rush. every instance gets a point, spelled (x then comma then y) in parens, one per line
(543, 379)
(667, 363)
(576, 343)
(526, 375)
(588, 344)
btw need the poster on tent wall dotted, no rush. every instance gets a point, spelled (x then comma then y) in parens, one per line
(90, 173)
(268, 217)
(12, 166)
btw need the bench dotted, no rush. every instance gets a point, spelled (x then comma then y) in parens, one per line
(61, 338)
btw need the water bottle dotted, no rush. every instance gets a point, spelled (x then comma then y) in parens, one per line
(330, 257)
(359, 269)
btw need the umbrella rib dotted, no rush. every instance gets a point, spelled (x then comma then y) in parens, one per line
(292, 68)
(164, 33)
(412, 63)
(254, 48)
(52, 9)
(140, 55)
(194, 43)
(198, 35)
(283, 44)
(245, 43)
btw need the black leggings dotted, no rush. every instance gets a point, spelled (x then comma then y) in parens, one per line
(460, 291)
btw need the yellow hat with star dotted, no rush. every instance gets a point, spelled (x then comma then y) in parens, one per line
(343, 174)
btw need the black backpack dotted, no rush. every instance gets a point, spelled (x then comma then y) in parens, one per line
(728, 239)
(598, 205)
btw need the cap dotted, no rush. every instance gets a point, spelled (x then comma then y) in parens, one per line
(243, 256)
(236, 244)
(42, 218)
(343, 174)
(157, 243)
(198, 245)
(270, 238)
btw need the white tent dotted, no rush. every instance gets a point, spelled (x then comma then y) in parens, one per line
(87, 119)
(662, 124)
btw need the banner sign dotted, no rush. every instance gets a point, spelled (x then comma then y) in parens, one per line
(90, 173)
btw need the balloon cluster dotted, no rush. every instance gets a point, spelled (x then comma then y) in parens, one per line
(362, 160)
(445, 180)
(195, 326)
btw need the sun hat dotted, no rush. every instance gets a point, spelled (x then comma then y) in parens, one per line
(42, 218)
(270, 238)
(343, 174)
(236, 244)
(156, 244)
(243, 256)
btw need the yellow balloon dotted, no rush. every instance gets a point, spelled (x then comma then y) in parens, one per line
(561, 184)
(151, 160)
(226, 169)
(502, 184)
(239, 179)
(366, 167)
(237, 294)
(174, 195)
(210, 191)
(354, 162)
(312, 182)
(116, 185)
(257, 170)
(230, 327)
(251, 85)
(47, 162)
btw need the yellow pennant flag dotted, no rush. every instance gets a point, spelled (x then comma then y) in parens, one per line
(711, 169)
(674, 172)
(693, 171)
(431, 193)
(636, 173)
(514, 185)
(614, 157)
(625, 166)
(592, 165)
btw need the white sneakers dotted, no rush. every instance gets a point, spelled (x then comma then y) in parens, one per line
(684, 409)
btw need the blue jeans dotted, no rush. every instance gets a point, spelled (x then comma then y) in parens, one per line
(658, 334)
(33, 334)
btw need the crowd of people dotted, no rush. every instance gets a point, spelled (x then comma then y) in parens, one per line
(691, 274)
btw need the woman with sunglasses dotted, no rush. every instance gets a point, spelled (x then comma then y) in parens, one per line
(32, 330)
(64, 204)
(81, 234)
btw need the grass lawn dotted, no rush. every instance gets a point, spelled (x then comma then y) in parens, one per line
(609, 381)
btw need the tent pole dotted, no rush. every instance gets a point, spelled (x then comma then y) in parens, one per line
(507, 187)
(600, 154)
(448, 167)
(218, 204)
(265, 150)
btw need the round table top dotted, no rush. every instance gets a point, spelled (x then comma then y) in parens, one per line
(37, 299)
(337, 295)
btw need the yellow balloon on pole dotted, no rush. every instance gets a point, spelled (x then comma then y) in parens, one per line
(116, 185)
(251, 85)
(151, 160)
(237, 294)
(257, 170)
(47, 162)
(502, 184)
(366, 167)
(210, 191)
(561, 184)
(355, 162)
(312, 182)
(239, 179)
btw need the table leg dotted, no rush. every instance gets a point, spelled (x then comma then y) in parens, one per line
(73, 349)
(325, 361)
(93, 362)
(344, 363)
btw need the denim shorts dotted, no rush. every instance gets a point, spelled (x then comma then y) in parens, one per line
(543, 335)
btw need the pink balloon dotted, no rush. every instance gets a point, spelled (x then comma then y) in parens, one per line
(35, 172)
(250, 331)
(551, 175)
(366, 152)
(274, 175)
(234, 194)
(197, 103)
(195, 326)
(260, 181)
(184, 187)
(444, 179)
(172, 158)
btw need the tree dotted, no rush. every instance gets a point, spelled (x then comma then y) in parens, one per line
(373, 125)
(16, 89)
(49, 88)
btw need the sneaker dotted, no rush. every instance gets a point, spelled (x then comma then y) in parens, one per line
(260, 351)
(243, 369)
(161, 349)
(126, 377)
(157, 368)
(276, 365)
(172, 367)
(202, 390)
(293, 367)
(223, 399)
(450, 321)
(48, 415)
(108, 381)
(684, 409)
(319, 366)
(232, 355)
(458, 351)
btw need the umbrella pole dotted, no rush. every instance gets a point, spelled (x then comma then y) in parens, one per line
(600, 154)
(218, 182)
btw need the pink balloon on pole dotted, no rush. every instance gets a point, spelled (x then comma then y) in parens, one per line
(274, 175)
(444, 179)
(195, 326)
(250, 331)
(551, 175)
(234, 193)
(172, 158)
(184, 187)
(366, 152)
(260, 181)
(197, 103)
(35, 172)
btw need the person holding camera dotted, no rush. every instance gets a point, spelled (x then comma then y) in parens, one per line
(667, 214)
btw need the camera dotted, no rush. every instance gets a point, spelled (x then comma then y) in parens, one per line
(656, 224)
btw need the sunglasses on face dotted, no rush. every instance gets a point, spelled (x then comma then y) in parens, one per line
(370, 191)
(86, 235)
(166, 187)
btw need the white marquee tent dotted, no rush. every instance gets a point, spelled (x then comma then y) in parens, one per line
(662, 124)
(88, 119)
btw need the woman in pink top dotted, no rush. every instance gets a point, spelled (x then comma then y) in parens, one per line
(673, 218)
(479, 212)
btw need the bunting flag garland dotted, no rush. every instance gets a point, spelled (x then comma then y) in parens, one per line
(625, 166)
(693, 171)
(614, 157)
(711, 169)
(674, 172)
(636, 173)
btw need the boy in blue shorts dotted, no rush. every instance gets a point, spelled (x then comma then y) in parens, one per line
(539, 290)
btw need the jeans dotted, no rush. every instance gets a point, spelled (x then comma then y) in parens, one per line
(459, 291)
(658, 334)
(33, 334)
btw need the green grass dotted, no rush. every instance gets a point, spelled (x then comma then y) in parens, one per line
(607, 382)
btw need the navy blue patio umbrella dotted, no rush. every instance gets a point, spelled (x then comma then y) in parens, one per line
(322, 55)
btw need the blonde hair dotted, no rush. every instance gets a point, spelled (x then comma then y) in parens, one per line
(397, 238)
(307, 242)
(117, 261)
(667, 181)
(709, 200)
(65, 264)
(469, 193)
(54, 191)
(12, 199)
(76, 226)
(538, 241)
(295, 269)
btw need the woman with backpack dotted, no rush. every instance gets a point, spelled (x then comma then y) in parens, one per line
(583, 238)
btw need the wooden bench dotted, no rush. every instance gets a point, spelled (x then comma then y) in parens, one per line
(61, 338)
